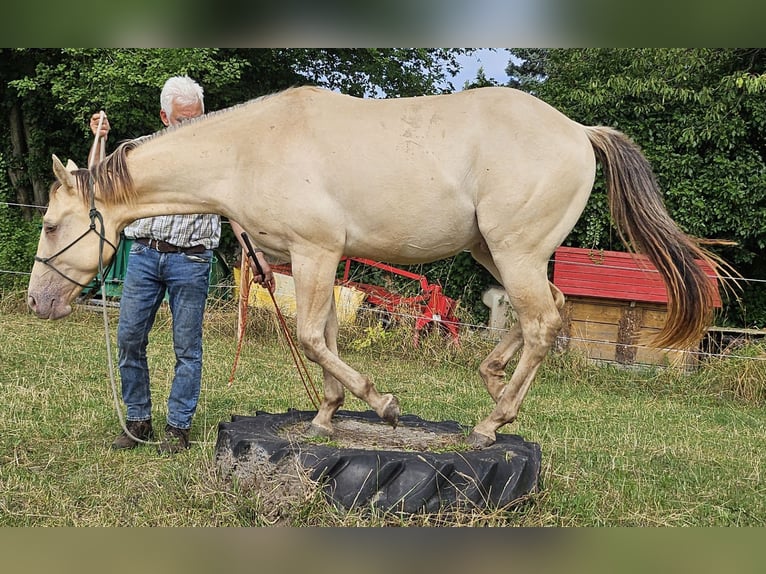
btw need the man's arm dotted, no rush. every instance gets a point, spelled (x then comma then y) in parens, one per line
(98, 150)
(266, 279)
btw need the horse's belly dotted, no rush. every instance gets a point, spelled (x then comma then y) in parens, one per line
(427, 237)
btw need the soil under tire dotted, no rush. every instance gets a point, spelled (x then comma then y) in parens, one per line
(402, 481)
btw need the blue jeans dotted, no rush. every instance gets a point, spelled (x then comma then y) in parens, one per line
(149, 276)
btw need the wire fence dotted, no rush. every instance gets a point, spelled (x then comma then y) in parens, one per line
(738, 336)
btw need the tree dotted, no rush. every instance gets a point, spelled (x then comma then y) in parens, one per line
(47, 96)
(480, 81)
(700, 117)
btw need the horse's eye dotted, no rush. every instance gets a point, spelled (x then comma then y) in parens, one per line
(49, 227)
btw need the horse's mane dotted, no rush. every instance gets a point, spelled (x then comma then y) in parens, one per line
(112, 176)
(115, 185)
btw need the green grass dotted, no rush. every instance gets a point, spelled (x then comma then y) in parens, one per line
(620, 447)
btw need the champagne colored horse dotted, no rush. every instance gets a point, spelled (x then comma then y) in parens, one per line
(313, 175)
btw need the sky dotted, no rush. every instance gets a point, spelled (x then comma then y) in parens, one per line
(494, 62)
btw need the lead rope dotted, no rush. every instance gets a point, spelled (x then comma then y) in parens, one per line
(244, 296)
(107, 338)
(300, 365)
(303, 372)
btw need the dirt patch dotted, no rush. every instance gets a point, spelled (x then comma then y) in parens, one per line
(368, 435)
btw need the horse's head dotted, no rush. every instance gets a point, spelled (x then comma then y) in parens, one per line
(74, 235)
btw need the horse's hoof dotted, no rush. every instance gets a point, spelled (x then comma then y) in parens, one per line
(318, 431)
(390, 412)
(477, 440)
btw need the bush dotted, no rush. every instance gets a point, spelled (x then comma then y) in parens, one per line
(18, 244)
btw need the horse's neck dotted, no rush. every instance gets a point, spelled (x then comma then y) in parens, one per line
(166, 181)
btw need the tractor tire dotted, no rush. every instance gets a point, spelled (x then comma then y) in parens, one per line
(402, 481)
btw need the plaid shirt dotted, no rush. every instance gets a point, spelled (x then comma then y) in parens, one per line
(180, 230)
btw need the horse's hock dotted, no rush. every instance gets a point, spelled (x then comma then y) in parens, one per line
(421, 466)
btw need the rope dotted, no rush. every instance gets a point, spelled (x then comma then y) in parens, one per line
(101, 274)
(300, 365)
(244, 295)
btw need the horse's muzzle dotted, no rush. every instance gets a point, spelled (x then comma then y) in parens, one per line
(47, 308)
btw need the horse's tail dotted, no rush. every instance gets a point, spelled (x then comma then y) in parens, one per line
(645, 226)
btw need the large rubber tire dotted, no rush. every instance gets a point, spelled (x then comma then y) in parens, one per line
(392, 480)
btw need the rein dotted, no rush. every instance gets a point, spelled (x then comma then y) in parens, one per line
(96, 215)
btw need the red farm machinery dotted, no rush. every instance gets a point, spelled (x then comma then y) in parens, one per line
(430, 308)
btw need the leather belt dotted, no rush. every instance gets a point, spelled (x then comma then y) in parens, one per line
(165, 247)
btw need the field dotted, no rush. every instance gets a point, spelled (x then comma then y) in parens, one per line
(620, 447)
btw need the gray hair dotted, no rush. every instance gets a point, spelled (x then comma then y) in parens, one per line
(181, 89)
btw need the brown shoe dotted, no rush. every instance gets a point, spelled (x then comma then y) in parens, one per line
(139, 429)
(176, 440)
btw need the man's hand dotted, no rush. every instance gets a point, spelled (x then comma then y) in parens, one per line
(94, 119)
(98, 149)
(265, 279)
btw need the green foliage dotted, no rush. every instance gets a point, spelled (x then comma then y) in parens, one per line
(53, 92)
(18, 241)
(60, 88)
(700, 117)
(125, 83)
(480, 81)
(373, 335)
(698, 114)
(394, 72)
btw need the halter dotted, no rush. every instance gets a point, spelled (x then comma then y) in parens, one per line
(95, 215)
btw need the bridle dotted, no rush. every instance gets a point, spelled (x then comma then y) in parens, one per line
(95, 216)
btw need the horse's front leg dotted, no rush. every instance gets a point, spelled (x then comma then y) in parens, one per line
(314, 276)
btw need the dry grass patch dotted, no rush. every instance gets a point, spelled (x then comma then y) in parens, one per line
(619, 447)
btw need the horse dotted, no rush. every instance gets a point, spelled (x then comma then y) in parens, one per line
(313, 175)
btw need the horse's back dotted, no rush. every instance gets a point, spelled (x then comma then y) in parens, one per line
(420, 172)
(481, 107)
(445, 135)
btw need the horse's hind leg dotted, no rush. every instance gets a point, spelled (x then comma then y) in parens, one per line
(492, 369)
(536, 303)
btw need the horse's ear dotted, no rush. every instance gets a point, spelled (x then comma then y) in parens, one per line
(65, 177)
(71, 166)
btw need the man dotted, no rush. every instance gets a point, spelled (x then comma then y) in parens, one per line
(171, 254)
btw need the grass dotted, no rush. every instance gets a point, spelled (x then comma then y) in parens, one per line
(620, 448)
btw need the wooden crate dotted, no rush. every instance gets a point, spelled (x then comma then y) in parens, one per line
(618, 332)
(615, 303)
